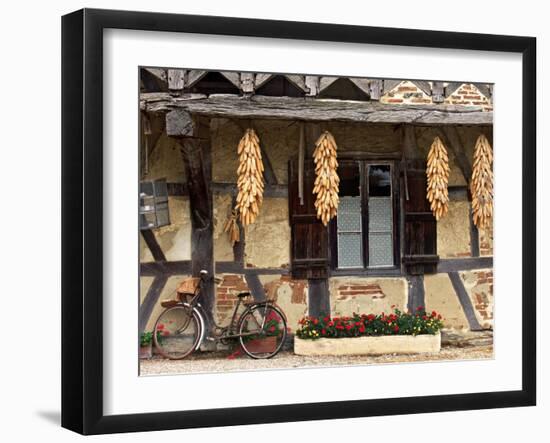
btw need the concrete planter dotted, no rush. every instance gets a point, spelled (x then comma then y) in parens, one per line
(386, 344)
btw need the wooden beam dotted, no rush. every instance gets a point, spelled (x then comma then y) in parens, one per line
(362, 83)
(390, 84)
(153, 245)
(312, 85)
(176, 79)
(197, 159)
(464, 264)
(424, 86)
(150, 300)
(152, 269)
(318, 302)
(316, 110)
(180, 123)
(247, 83)
(465, 301)
(438, 92)
(416, 292)
(375, 89)
(255, 285)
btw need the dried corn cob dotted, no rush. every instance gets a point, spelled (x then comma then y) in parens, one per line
(327, 182)
(437, 172)
(232, 228)
(481, 185)
(250, 181)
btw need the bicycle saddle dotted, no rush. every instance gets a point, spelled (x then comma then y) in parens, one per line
(243, 294)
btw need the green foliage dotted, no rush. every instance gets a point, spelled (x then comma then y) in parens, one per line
(147, 338)
(396, 323)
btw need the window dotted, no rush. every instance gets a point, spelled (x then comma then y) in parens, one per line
(364, 228)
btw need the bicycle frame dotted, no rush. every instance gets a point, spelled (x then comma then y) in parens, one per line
(229, 330)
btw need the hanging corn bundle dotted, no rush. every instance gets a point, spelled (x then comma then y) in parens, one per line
(437, 173)
(481, 185)
(250, 182)
(327, 181)
(232, 228)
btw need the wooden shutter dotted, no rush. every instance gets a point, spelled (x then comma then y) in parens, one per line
(309, 238)
(420, 249)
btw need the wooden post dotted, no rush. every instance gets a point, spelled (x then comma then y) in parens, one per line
(193, 135)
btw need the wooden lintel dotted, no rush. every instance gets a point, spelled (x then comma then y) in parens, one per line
(316, 110)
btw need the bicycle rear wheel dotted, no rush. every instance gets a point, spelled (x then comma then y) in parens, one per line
(177, 332)
(262, 338)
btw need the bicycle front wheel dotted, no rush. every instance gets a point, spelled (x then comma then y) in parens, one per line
(262, 331)
(177, 332)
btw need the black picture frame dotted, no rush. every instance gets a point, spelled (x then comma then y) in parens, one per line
(82, 239)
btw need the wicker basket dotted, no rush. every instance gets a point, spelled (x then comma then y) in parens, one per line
(188, 285)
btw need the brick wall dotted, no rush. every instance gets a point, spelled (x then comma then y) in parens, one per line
(226, 296)
(406, 92)
(469, 95)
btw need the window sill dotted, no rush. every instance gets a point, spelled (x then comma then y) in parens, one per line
(393, 271)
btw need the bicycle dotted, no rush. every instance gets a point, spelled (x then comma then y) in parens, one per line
(180, 329)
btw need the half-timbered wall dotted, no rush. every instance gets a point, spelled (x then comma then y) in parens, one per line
(464, 297)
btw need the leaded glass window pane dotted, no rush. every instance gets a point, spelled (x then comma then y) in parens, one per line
(349, 233)
(380, 216)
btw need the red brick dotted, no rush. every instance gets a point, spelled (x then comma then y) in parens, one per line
(395, 100)
(407, 89)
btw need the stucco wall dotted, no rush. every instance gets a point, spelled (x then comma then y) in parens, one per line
(367, 295)
(453, 231)
(441, 297)
(174, 239)
(267, 241)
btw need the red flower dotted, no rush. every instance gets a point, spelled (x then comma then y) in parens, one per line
(323, 331)
(439, 316)
(348, 327)
(165, 333)
(315, 321)
(160, 326)
(424, 317)
(326, 319)
(362, 328)
(396, 328)
(357, 323)
(272, 329)
(370, 317)
(420, 308)
(434, 313)
(331, 323)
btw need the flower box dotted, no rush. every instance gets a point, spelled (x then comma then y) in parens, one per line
(369, 345)
(262, 345)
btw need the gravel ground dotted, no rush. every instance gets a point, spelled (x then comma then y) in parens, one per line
(221, 362)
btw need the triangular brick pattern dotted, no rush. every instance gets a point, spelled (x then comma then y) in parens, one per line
(406, 92)
(468, 94)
